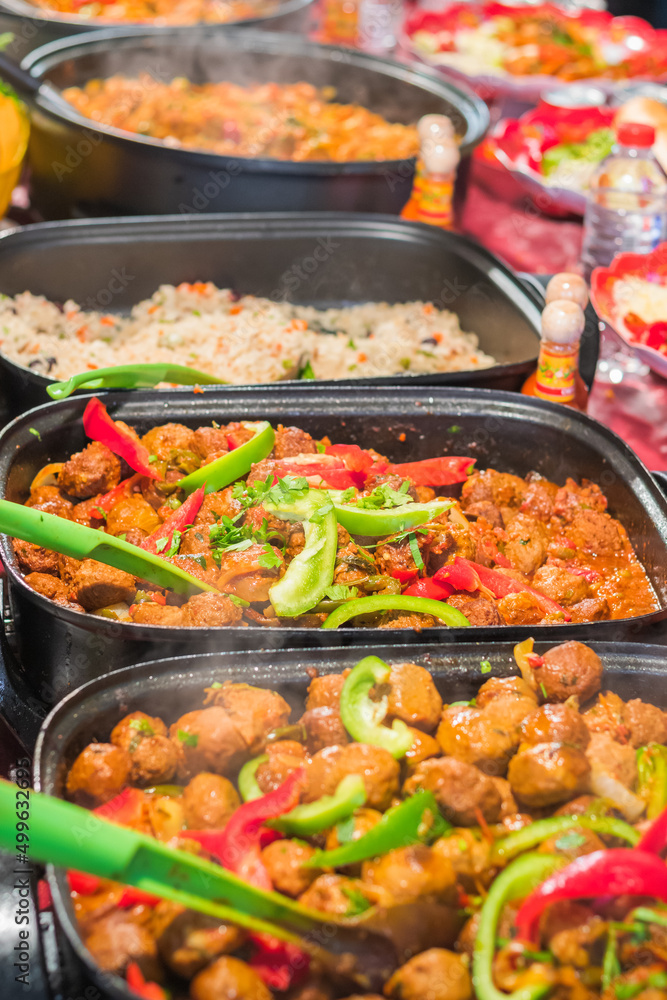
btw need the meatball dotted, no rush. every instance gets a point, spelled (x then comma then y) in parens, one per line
(132, 727)
(508, 806)
(571, 668)
(401, 619)
(377, 767)
(209, 801)
(324, 692)
(436, 974)
(215, 505)
(49, 586)
(520, 609)
(292, 441)
(285, 757)
(208, 741)
(585, 842)
(548, 774)
(162, 441)
(505, 689)
(591, 609)
(190, 940)
(500, 488)
(211, 609)
(561, 585)
(335, 894)
(148, 613)
(154, 760)
(324, 728)
(462, 792)
(34, 558)
(555, 724)
(423, 747)
(413, 697)
(479, 611)
(471, 735)
(284, 861)
(100, 772)
(94, 470)
(51, 501)
(228, 978)
(115, 940)
(617, 759)
(132, 513)
(596, 532)
(254, 711)
(409, 872)
(97, 586)
(211, 440)
(646, 723)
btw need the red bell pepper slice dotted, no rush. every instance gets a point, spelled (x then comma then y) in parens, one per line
(237, 845)
(404, 575)
(318, 471)
(125, 808)
(143, 988)
(463, 574)
(614, 872)
(656, 336)
(356, 459)
(87, 885)
(44, 900)
(99, 426)
(430, 587)
(654, 840)
(83, 884)
(445, 471)
(177, 521)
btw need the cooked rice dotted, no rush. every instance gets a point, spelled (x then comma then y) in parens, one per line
(243, 340)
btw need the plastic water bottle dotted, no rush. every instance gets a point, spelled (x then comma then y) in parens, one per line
(626, 209)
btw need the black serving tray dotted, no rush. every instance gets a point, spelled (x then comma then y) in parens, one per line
(324, 259)
(59, 649)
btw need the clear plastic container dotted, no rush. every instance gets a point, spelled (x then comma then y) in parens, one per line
(626, 209)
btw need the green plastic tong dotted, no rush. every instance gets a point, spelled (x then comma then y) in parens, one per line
(132, 377)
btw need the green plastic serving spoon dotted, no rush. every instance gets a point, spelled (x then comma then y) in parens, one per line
(132, 377)
(69, 836)
(80, 542)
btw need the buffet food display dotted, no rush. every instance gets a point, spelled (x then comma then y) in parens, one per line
(310, 736)
(276, 121)
(281, 528)
(521, 42)
(509, 821)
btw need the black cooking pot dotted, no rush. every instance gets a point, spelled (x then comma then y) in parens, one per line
(168, 688)
(323, 259)
(78, 170)
(32, 26)
(59, 649)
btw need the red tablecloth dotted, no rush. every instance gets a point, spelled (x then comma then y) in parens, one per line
(502, 217)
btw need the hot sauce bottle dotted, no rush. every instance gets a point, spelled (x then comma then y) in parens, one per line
(431, 198)
(557, 376)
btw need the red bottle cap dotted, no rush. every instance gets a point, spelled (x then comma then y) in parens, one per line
(634, 134)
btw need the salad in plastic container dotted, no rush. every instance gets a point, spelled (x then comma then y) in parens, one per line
(631, 296)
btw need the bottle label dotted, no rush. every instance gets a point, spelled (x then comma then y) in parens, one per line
(555, 376)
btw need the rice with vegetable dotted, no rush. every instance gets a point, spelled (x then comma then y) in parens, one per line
(241, 340)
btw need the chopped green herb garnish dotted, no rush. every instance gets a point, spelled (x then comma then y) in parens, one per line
(341, 592)
(414, 549)
(161, 544)
(33, 430)
(570, 841)
(385, 496)
(269, 558)
(190, 739)
(143, 726)
(358, 902)
(485, 666)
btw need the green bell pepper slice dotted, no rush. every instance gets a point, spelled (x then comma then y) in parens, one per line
(652, 774)
(379, 523)
(363, 717)
(247, 782)
(313, 817)
(417, 820)
(543, 829)
(230, 467)
(515, 882)
(396, 602)
(311, 572)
